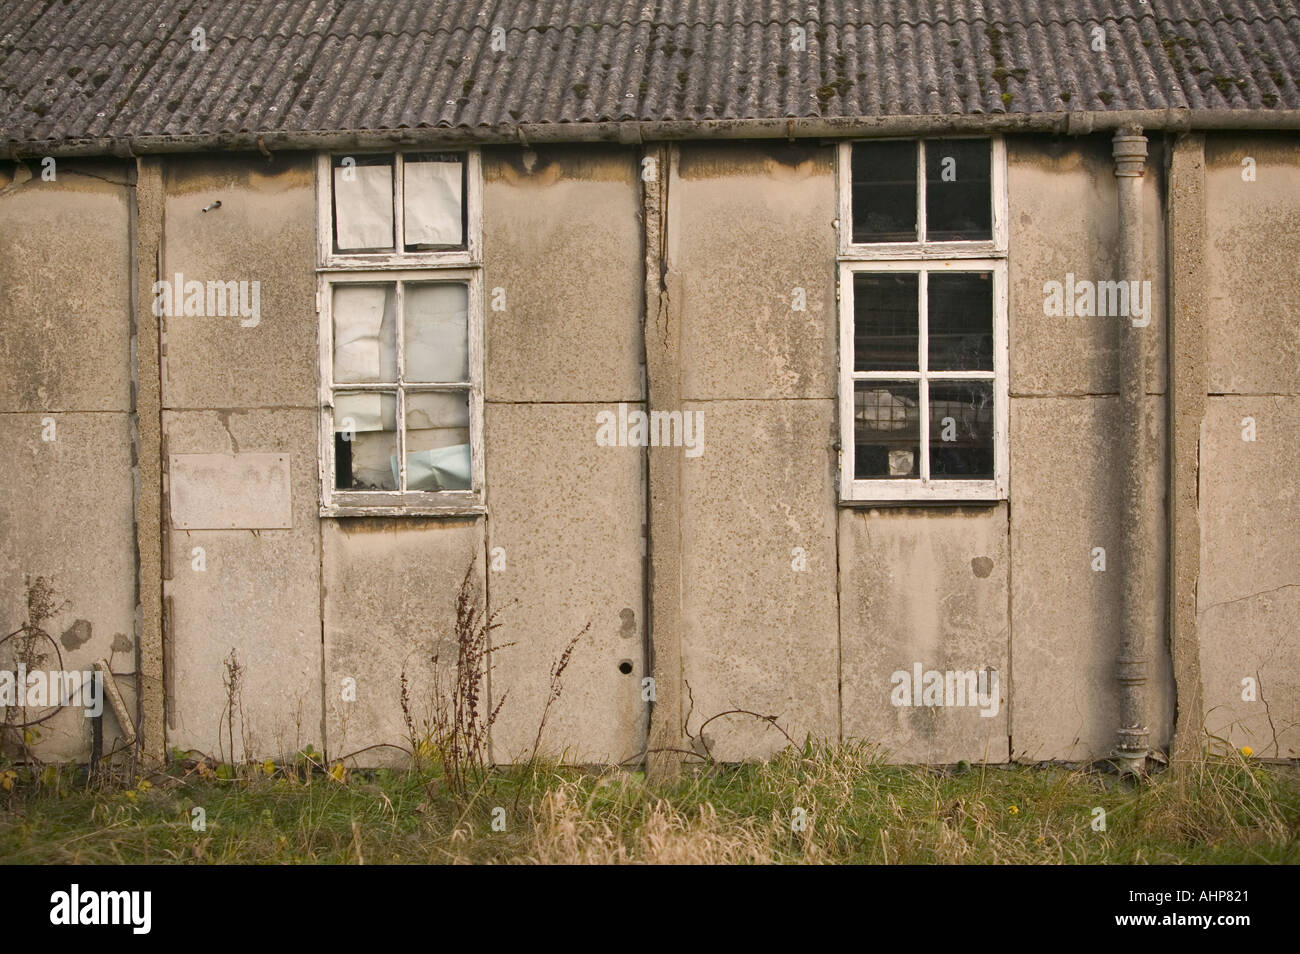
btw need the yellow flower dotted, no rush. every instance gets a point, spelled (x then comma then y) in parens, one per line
(145, 785)
(130, 795)
(1014, 810)
(1247, 751)
(337, 772)
(7, 780)
(268, 767)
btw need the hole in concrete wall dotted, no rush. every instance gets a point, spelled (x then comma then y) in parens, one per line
(625, 667)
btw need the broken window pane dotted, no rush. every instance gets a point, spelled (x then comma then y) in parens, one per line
(433, 202)
(885, 335)
(365, 334)
(884, 191)
(365, 438)
(363, 204)
(961, 429)
(960, 329)
(437, 441)
(436, 332)
(958, 190)
(886, 429)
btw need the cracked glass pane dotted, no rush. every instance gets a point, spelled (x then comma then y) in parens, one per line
(886, 429)
(365, 438)
(437, 441)
(961, 430)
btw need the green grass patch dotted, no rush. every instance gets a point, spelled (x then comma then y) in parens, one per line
(829, 805)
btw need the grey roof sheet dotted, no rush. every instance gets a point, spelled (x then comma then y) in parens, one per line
(109, 69)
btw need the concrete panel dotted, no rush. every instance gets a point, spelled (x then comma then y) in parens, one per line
(65, 289)
(258, 594)
(1065, 617)
(758, 634)
(1253, 247)
(748, 225)
(562, 240)
(390, 602)
(230, 491)
(66, 514)
(1249, 594)
(567, 514)
(1064, 220)
(925, 586)
(264, 231)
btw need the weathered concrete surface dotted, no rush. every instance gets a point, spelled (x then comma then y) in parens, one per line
(1065, 616)
(259, 595)
(147, 448)
(390, 591)
(748, 225)
(757, 633)
(1063, 219)
(1249, 595)
(924, 586)
(1189, 318)
(264, 231)
(1252, 256)
(662, 335)
(562, 240)
(245, 491)
(66, 514)
(65, 288)
(569, 522)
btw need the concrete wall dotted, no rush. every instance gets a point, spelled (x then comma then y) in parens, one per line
(66, 510)
(561, 237)
(1248, 600)
(1065, 452)
(789, 604)
(746, 226)
(235, 390)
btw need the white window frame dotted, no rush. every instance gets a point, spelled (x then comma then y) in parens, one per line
(922, 249)
(924, 257)
(469, 255)
(456, 266)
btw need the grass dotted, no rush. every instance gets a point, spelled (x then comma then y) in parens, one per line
(855, 809)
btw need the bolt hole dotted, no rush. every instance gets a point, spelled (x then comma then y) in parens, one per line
(625, 666)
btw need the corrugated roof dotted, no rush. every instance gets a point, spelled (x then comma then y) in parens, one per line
(127, 69)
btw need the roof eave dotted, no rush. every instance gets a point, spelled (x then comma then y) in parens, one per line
(1061, 123)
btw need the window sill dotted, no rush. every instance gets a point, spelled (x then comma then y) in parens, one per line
(450, 510)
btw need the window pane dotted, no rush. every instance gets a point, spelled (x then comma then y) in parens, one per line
(886, 429)
(365, 438)
(436, 331)
(433, 202)
(363, 204)
(885, 336)
(961, 429)
(960, 329)
(365, 334)
(958, 190)
(884, 191)
(437, 441)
